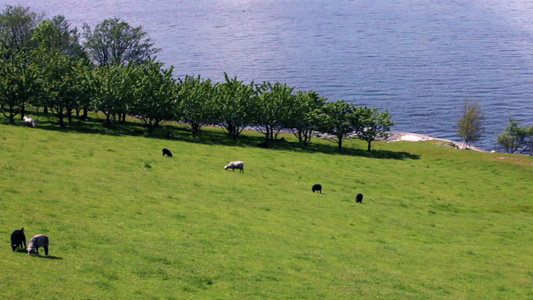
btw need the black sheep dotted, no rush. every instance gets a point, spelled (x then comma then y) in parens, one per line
(167, 152)
(317, 188)
(263, 145)
(17, 239)
(359, 198)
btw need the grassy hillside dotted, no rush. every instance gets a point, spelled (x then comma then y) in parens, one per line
(126, 222)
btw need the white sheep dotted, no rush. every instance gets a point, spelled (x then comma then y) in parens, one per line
(37, 241)
(29, 120)
(235, 165)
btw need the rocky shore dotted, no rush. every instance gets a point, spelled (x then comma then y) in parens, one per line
(396, 136)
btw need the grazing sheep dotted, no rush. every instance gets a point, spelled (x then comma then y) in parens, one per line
(85, 118)
(359, 198)
(29, 121)
(317, 188)
(263, 145)
(167, 152)
(37, 241)
(17, 239)
(235, 165)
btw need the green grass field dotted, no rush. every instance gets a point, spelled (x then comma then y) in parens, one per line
(125, 222)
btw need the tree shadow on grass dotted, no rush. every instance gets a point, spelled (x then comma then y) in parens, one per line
(211, 136)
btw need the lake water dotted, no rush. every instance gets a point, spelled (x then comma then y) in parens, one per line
(418, 59)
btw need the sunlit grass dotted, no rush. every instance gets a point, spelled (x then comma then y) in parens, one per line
(126, 222)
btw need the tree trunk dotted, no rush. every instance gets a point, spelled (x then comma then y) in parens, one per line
(108, 121)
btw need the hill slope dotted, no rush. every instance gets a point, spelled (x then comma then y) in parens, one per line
(124, 221)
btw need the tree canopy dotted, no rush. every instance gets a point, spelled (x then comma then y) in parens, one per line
(470, 124)
(116, 42)
(515, 137)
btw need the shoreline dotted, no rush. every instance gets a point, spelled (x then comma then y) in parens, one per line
(397, 136)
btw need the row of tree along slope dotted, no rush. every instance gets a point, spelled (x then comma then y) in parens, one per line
(45, 64)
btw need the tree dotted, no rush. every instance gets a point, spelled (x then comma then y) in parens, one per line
(235, 106)
(18, 83)
(112, 89)
(372, 124)
(62, 83)
(529, 141)
(303, 116)
(196, 102)
(338, 118)
(56, 34)
(115, 42)
(275, 104)
(513, 137)
(52, 39)
(155, 94)
(16, 26)
(470, 124)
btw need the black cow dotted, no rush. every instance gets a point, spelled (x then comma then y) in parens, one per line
(317, 188)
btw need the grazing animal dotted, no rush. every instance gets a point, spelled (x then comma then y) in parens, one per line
(17, 239)
(263, 145)
(37, 241)
(235, 165)
(167, 152)
(317, 188)
(29, 121)
(359, 198)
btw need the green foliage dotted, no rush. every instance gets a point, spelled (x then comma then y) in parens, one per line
(115, 42)
(303, 119)
(16, 26)
(372, 125)
(57, 35)
(339, 118)
(112, 89)
(18, 82)
(236, 105)
(514, 136)
(155, 96)
(196, 102)
(275, 105)
(125, 222)
(470, 124)
(61, 82)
